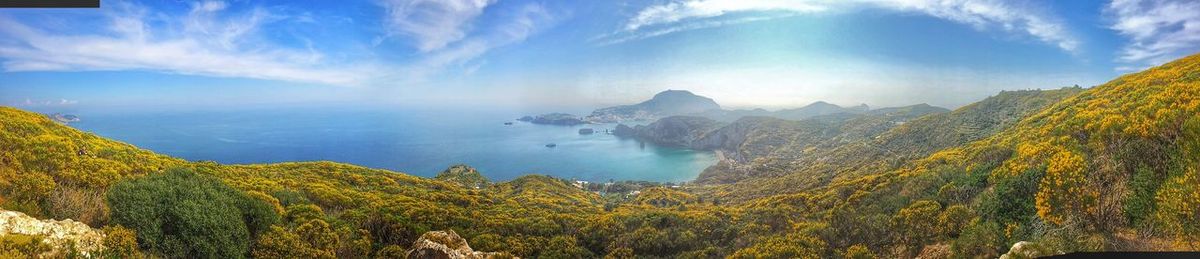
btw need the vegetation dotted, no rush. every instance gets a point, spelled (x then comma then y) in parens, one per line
(183, 214)
(1106, 168)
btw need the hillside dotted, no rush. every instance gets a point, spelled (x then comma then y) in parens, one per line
(1109, 168)
(894, 138)
(1113, 167)
(808, 111)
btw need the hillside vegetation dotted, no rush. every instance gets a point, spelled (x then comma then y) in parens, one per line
(1113, 167)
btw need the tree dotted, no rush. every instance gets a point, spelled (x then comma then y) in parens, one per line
(789, 246)
(312, 239)
(564, 247)
(120, 242)
(954, 219)
(858, 252)
(180, 213)
(917, 223)
(1063, 191)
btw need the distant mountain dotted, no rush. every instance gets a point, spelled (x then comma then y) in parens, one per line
(812, 110)
(680, 102)
(880, 144)
(666, 103)
(752, 137)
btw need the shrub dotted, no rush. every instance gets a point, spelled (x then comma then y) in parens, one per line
(119, 242)
(180, 213)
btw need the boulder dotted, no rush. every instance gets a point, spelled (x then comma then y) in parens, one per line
(58, 234)
(1026, 249)
(447, 245)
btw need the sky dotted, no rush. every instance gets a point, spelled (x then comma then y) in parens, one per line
(577, 54)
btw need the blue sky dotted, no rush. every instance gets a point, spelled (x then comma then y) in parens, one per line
(582, 54)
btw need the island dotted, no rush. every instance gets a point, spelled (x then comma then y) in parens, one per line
(64, 118)
(563, 119)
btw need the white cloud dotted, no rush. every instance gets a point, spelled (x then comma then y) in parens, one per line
(47, 103)
(1159, 30)
(433, 24)
(206, 41)
(520, 24)
(678, 11)
(980, 14)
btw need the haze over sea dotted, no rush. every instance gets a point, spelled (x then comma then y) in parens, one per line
(415, 141)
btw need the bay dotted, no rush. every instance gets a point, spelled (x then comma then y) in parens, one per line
(415, 141)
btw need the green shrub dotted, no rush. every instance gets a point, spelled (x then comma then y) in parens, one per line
(180, 213)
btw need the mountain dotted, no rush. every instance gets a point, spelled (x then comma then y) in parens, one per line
(663, 104)
(895, 136)
(758, 136)
(1111, 168)
(812, 110)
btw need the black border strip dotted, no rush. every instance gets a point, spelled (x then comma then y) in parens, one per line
(1127, 255)
(49, 3)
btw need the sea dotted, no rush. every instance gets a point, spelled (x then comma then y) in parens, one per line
(420, 142)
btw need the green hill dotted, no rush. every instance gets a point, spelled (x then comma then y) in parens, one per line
(1113, 167)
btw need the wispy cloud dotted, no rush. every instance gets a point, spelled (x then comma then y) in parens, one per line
(1158, 30)
(521, 23)
(433, 24)
(208, 40)
(46, 103)
(213, 39)
(685, 15)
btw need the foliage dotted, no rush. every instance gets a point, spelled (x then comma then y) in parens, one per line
(120, 242)
(22, 246)
(786, 246)
(464, 176)
(180, 213)
(1074, 169)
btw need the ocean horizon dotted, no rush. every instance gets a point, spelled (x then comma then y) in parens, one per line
(419, 142)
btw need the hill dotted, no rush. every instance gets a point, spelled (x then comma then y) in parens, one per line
(663, 104)
(1113, 167)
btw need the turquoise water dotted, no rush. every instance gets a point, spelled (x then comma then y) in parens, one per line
(415, 142)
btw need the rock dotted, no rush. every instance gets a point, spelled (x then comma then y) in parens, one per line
(623, 130)
(551, 145)
(1026, 249)
(586, 131)
(57, 234)
(448, 245)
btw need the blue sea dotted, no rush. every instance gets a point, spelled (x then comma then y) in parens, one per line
(419, 142)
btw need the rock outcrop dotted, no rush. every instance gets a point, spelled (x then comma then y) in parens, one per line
(58, 234)
(1025, 249)
(447, 245)
(464, 176)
